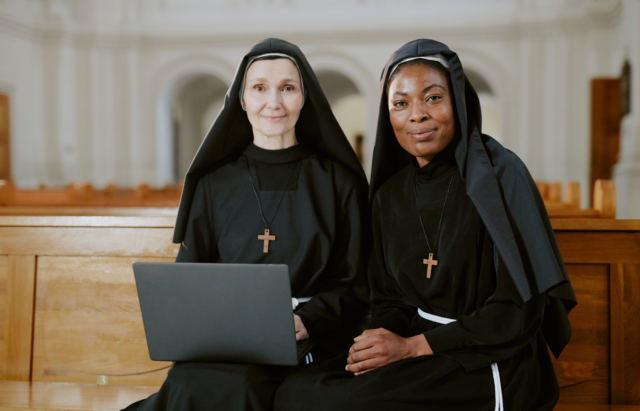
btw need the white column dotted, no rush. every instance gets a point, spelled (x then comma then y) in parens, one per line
(627, 171)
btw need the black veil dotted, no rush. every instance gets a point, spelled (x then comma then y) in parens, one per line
(500, 187)
(231, 132)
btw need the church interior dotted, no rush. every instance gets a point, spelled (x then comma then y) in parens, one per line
(104, 103)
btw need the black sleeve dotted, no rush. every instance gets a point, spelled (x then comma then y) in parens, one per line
(341, 298)
(199, 245)
(495, 331)
(389, 310)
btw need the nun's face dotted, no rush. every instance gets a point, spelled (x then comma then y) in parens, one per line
(273, 96)
(421, 111)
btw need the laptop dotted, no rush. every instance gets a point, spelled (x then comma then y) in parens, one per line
(230, 313)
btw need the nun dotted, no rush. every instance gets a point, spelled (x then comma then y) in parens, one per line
(274, 182)
(468, 287)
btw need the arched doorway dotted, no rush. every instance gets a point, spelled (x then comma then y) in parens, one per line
(488, 103)
(347, 104)
(194, 106)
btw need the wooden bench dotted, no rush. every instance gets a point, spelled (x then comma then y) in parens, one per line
(69, 311)
(16, 396)
(84, 195)
(604, 200)
(89, 211)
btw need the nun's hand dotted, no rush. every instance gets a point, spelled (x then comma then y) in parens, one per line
(375, 348)
(301, 331)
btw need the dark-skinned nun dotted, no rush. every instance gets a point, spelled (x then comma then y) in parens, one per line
(274, 182)
(468, 287)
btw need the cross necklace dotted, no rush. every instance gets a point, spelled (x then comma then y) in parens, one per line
(267, 236)
(430, 262)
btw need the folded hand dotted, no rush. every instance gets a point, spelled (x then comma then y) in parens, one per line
(301, 331)
(375, 348)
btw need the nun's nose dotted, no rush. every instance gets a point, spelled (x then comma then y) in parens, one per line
(274, 101)
(418, 114)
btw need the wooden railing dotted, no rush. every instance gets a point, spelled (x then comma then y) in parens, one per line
(84, 195)
(604, 200)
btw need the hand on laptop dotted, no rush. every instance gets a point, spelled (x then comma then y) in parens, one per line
(301, 331)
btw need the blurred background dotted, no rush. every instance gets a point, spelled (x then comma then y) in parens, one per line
(122, 92)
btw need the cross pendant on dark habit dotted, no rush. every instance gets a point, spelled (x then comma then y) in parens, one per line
(430, 262)
(266, 237)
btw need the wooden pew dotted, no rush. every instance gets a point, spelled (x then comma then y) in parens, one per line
(85, 195)
(80, 321)
(604, 200)
(89, 211)
(67, 290)
(602, 362)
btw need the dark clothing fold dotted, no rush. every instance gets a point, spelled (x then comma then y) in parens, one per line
(500, 187)
(314, 198)
(470, 284)
(318, 228)
(499, 274)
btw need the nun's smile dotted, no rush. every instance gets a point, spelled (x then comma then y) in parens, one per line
(273, 99)
(421, 110)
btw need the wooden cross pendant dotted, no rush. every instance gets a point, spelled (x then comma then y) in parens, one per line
(266, 237)
(430, 262)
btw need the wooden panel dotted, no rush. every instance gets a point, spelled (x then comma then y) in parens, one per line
(89, 211)
(631, 292)
(58, 396)
(616, 310)
(104, 241)
(593, 225)
(583, 367)
(21, 276)
(3, 305)
(88, 323)
(5, 145)
(605, 127)
(596, 407)
(599, 247)
(85, 221)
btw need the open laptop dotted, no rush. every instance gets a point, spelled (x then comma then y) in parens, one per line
(232, 313)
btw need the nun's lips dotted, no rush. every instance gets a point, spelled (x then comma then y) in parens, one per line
(274, 119)
(423, 134)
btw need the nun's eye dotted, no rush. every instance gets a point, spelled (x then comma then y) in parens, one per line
(258, 88)
(399, 104)
(288, 88)
(433, 98)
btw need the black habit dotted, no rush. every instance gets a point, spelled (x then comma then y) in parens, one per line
(500, 276)
(315, 192)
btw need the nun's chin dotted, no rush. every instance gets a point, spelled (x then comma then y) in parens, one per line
(276, 130)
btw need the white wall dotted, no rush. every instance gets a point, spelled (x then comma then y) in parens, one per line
(87, 77)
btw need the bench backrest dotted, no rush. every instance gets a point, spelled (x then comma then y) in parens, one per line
(67, 289)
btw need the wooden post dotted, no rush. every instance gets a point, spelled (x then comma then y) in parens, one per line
(21, 278)
(142, 192)
(605, 127)
(543, 188)
(604, 198)
(7, 191)
(111, 191)
(573, 194)
(5, 145)
(555, 192)
(616, 315)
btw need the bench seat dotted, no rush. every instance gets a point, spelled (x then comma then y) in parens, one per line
(18, 395)
(41, 396)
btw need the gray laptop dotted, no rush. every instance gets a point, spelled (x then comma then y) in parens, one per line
(232, 313)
